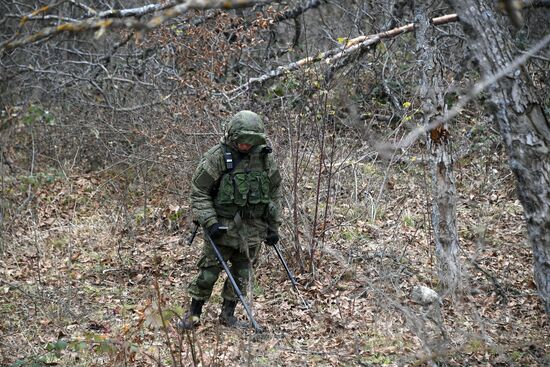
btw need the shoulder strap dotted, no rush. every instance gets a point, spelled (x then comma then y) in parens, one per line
(229, 166)
(228, 158)
(231, 162)
(266, 150)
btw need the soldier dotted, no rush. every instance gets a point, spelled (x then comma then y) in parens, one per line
(234, 197)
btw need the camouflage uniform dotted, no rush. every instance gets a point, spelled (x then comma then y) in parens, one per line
(244, 199)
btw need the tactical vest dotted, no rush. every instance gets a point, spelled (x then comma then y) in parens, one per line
(245, 188)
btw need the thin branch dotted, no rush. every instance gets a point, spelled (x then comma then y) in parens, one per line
(38, 12)
(90, 11)
(473, 92)
(133, 108)
(335, 54)
(128, 20)
(297, 11)
(41, 17)
(137, 12)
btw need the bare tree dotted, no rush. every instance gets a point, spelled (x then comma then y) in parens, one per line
(523, 124)
(441, 159)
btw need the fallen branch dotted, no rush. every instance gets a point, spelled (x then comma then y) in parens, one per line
(338, 53)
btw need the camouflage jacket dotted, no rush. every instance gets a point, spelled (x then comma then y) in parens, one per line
(248, 192)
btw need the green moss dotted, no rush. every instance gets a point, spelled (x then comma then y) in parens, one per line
(378, 359)
(475, 345)
(39, 179)
(349, 234)
(60, 242)
(516, 355)
(258, 289)
(409, 221)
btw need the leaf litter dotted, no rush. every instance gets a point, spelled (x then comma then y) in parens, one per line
(82, 281)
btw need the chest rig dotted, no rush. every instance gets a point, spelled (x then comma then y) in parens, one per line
(245, 186)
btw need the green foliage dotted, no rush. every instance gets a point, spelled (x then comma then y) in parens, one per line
(342, 40)
(57, 347)
(39, 179)
(262, 361)
(277, 90)
(157, 319)
(370, 169)
(78, 346)
(409, 112)
(517, 355)
(378, 360)
(408, 221)
(521, 40)
(6, 308)
(98, 343)
(258, 290)
(349, 234)
(475, 345)
(59, 242)
(105, 347)
(450, 99)
(54, 351)
(37, 114)
(29, 362)
(141, 214)
(176, 214)
(283, 87)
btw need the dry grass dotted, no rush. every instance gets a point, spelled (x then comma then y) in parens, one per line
(79, 280)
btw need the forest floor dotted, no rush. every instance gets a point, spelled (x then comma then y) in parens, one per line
(89, 280)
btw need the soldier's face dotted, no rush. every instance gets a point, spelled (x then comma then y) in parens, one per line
(243, 147)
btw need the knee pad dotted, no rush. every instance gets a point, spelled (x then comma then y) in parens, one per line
(208, 277)
(242, 271)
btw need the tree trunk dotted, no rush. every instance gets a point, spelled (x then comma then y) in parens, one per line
(438, 142)
(523, 126)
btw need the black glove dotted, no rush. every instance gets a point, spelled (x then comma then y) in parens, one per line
(216, 231)
(272, 237)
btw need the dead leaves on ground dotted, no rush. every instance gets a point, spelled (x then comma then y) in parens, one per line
(78, 282)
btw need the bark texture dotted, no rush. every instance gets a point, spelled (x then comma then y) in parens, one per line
(523, 126)
(441, 162)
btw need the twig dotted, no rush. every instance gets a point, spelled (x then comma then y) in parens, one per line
(90, 11)
(163, 321)
(473, 92)
(335, 54)
(297, 11)
(125, 19)
(2, 198)
(500, 290)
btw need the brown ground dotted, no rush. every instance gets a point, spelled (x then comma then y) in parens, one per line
(82, 275)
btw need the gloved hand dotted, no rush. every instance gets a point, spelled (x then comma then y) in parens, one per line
(216, 231)
(272, 237)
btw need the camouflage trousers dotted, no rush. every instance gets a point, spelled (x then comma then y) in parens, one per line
(209, 270)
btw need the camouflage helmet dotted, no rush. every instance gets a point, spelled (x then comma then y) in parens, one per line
(246, 127)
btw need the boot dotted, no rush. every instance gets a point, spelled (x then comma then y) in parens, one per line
(192, 317)
(227, 316)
